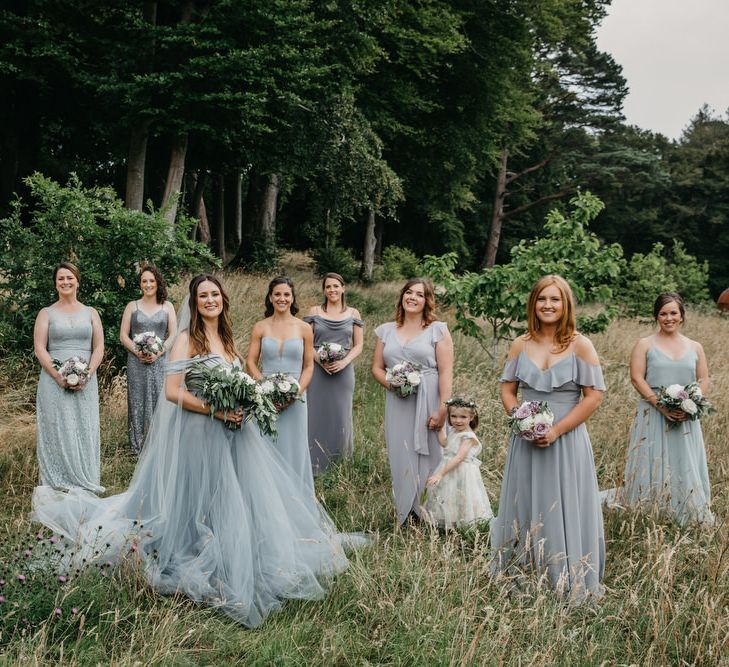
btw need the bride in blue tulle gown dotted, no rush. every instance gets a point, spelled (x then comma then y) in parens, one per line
(213, 513)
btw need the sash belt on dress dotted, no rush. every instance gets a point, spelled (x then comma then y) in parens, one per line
(420, 440)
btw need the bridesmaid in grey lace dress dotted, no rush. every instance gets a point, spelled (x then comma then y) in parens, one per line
(68, 435)
(332, 386)
(145, 372)
(412, 423)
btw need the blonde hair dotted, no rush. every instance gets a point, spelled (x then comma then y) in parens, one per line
(566, 327)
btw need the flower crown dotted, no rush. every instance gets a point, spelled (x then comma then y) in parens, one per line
(459, 402)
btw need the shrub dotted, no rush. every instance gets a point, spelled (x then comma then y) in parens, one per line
(338, 260)
(399, 263)
(263, 258)
(91, 228)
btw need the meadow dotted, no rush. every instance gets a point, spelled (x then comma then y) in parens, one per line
(416, 597)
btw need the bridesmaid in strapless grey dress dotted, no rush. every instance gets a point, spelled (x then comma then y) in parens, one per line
(144, 381)
(68, 436)
(329, 397)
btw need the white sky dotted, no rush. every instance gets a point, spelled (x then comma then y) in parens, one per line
(675, 57)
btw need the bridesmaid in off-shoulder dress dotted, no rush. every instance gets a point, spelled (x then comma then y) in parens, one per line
(550, 517)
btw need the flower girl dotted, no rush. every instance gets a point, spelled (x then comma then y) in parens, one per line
(455, 492)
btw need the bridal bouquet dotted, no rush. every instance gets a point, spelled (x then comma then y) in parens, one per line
(219, 386)
(531, 420)
(257, 405)
(331, 352)
(404, 378)
(689, 399)
(282, 389)
(75, 371)
(148, 342)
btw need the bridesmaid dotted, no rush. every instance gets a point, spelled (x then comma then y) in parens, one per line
(667, 465)
(412, 423)
(282, 343)
(549, 510)
(68, 435)
(145, 373)
(332, 386)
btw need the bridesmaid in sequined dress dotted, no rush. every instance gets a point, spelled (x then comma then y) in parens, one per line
(145, 372)
(68, 436)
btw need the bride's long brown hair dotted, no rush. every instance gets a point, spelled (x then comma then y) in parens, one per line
(198, 340)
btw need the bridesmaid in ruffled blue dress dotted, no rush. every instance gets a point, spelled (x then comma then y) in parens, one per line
(330, 393)
(282, 343)
(550, 517)
(412, 423)
(211, 513)
(666, 466)
(68, 436)
(145, 372)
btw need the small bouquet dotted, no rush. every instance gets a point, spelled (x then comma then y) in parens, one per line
(257, 405)
(689, 399)
(531, 420)
(282, 389)
(75, 371)
(148, 342)
(331, 352)
(404, 378)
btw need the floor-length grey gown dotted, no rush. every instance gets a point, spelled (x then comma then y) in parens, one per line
(666, 466)
(549, 514)
(144, 381)
(212, 513)
(413, 449)
(292, 442)
(68, 435)
(329, 397)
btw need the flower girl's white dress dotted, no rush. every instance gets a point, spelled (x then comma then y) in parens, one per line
(460, 498)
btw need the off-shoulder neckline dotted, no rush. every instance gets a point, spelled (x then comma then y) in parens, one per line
(570, 355)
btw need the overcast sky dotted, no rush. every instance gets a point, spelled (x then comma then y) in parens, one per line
(675, 57)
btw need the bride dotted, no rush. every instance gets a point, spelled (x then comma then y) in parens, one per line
(213, 513)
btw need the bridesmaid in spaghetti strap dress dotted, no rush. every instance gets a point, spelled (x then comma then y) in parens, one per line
(666, 466)
(330, 393)
(412, 423)
(68, 436)
(145, 372)
(282, 343)
(550, 517)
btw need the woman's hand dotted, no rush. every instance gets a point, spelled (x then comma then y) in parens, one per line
(280, 407)
(436, 420)
(672, 415)
(434, 480)
(336, 366)
(234, 417)
(547, 439)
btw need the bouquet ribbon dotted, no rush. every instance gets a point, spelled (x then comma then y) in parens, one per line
(420, 440)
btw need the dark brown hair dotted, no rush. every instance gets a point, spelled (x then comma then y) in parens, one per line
(566, 327)
(337, 277)
(429, 308)
(281, 280)
(69, 267)
(198, 340)
(667, 297)
(161, 283)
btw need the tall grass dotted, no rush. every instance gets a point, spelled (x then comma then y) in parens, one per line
(416, 597)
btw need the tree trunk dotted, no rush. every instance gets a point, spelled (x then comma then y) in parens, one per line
(497, 213)
(234, 204)
(370, 244)
(269, 201)
(175, 172)
(379, 234)
(202, 229)
(220, 220)
(134, 198)
(259, 219)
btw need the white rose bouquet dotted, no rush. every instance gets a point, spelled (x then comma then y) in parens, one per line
(404, 378)
(330, 352)
(281, 389)
(257, 404)
(75, 371)
(219, 386)
(148, 342)
(686, 398)
(531, 420)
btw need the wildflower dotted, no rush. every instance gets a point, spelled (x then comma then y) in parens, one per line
(53, 539)
(134, 547)
(2, 599)
(57, 611)
(21, 578)
(62, 579)
(27, 553)
(74, 610)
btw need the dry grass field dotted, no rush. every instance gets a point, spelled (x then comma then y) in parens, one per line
(416, 597)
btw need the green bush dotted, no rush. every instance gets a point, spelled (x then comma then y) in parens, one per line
(399, 263)
(647, 275)
(337, 260)
(263, 258)
(91, 228)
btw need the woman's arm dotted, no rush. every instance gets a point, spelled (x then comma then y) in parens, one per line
(40, 347)
(125, 329)
(176, 392)
(307, 364)
(702, 368)
(444, 361)
(510, 390)
(379, 371)
(171, 326)
(354, 352)
(97, 342)
(463, 449)
(638, 366)
(254, 352)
